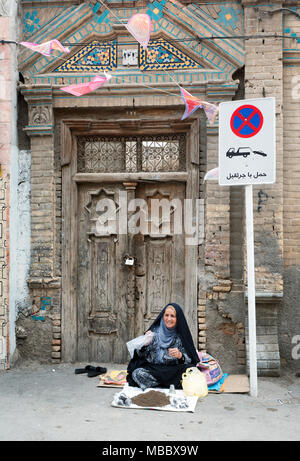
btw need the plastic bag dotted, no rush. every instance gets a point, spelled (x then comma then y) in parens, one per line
(138, 342)
(122, 399)
(194, 382)
(210, 367)
(178, 402)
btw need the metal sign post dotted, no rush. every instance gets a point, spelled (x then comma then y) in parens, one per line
(246, 157)
(251, 290)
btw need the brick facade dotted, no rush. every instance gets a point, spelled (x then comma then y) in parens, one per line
(253, 68)
(268, 220)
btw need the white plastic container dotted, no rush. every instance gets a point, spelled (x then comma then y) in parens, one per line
(194, 382)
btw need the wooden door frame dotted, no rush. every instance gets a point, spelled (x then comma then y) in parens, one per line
(70, 129)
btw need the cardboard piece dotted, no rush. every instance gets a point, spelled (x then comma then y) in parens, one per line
(233, 384)
(116, 386)
(237, 384)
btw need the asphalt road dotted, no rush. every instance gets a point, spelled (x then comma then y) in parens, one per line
(51, 403)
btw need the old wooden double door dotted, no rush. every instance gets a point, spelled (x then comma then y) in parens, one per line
(127, 230)
(128, 269)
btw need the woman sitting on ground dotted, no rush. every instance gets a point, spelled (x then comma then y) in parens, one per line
(169, 354)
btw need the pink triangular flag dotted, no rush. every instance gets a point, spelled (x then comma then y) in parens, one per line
(87, 87)
(46, 48)
(210, 110)
(192, 103)
(139, 25)
(212, 174)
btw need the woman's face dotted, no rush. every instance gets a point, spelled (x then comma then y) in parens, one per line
(170, 317)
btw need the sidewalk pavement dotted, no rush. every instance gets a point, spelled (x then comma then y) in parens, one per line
(51, 403)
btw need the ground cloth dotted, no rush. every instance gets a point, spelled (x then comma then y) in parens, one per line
(134, 391)
(113, 378)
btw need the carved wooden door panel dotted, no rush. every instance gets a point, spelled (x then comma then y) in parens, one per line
(116, 302)
(102, 313)
(160, 253)
(104, 302)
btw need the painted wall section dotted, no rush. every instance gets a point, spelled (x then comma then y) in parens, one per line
(16, 273)
(20, 240)
(5, 145)
(8, 178)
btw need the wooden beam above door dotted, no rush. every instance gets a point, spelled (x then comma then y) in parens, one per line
(138, 177)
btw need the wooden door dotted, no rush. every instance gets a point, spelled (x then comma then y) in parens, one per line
(160, 252)
(105, 302)
(102, 318)
(116, 302)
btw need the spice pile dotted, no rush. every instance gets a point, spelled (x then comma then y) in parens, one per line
(151, 399)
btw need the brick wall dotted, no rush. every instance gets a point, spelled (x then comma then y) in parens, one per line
(42, 198)
(289, 315)
(226, 311)
(43, 324)
(263, 78)
(291, 171)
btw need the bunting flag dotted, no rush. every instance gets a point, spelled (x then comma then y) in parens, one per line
(139, 25)
(87, 87)
(46, 48)
(212, 174)
(192, 104)
(210, 110)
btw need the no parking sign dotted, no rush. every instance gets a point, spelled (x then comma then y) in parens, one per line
(247, 157)
(247, 142)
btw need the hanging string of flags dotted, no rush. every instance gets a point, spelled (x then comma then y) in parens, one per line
(193, 103)
(212, 174)
(87, 87)
(139, 26)
(46, 48)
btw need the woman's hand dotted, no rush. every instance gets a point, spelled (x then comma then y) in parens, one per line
(148, 337)
(174, 352)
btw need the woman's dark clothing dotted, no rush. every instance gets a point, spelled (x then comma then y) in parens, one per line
(182, 330)
(165, 370)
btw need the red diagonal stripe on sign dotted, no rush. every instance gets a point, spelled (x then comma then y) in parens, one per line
(246, 121)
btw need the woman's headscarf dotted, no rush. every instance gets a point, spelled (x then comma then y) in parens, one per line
(165, 334)
(165, 337)
(181, 328)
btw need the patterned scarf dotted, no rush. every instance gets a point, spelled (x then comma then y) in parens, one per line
(165, 337)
